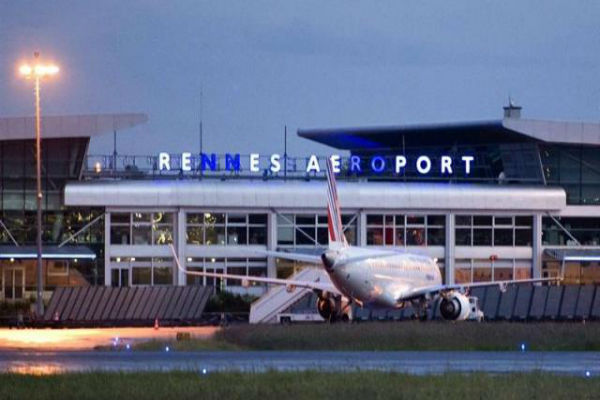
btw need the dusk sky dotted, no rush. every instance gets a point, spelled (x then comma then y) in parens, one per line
(263, 64)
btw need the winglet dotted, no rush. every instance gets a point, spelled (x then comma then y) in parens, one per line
(334, 216)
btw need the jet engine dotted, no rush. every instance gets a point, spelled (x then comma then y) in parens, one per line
(327, 308)
(455, 306)
(334, 308)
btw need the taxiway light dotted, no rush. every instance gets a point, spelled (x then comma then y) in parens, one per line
(522, 346)
(167, 349)
(203, 371)
(588, 374)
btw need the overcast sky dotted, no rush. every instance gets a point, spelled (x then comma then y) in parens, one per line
(263, 64)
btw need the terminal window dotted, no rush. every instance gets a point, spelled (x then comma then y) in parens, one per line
(405, 230)
(226, 229)
(488, 230)
(151, 228)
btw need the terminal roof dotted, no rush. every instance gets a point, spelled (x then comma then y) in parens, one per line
(65, 126)
(505, 130)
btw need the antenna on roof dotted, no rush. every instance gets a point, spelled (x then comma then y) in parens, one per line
(200, 133)
(512, 110)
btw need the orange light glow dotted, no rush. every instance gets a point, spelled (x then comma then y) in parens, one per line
(88, 338)
(39, 70)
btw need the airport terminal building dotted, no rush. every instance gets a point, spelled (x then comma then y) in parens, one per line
(491, 200)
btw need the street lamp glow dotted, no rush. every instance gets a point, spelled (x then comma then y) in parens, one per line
(38, 70)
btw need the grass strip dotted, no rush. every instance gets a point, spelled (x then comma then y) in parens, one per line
(295, 385)
(387, 336)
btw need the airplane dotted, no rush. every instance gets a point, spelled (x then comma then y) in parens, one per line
(368, 277)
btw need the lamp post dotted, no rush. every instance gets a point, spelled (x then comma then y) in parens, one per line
(37, 72)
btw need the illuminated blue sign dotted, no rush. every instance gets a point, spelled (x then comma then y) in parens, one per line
(377, 164)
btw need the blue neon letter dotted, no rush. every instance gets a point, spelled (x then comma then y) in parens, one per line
(355, 164)
(210, 161)
(232, 163)
(377, 164)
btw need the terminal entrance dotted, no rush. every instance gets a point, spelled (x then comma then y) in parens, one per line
(120, 277)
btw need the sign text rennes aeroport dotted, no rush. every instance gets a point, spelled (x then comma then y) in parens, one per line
(274, 163)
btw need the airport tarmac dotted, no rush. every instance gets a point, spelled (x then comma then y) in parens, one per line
(89, 338)
(419, 363)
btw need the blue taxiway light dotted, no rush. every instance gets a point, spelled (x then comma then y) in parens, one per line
(588, 374)
(167, 349)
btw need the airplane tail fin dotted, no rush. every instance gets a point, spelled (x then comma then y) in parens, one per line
(334, 216)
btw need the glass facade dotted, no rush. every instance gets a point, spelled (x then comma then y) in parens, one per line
(18, 278)
(406, 230)
(490, 230)
(575, 272)
(226, 229)
(486, 270)
(141, 271)
(62, 161)
(585, 229)
(147, 228)
(576, 169)
(235, 266)
(310, 230)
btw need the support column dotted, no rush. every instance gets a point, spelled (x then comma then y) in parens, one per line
(107, 241)
(361, 240)
(449, 250)
(271, 243)
(179, 278)
(536, 247)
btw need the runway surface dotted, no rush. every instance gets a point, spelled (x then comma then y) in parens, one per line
(434, 362)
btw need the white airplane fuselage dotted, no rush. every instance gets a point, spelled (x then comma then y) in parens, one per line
(379, 277)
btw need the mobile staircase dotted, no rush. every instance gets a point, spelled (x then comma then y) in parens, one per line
(280, 298)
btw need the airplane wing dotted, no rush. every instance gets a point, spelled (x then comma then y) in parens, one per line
(312, 285)
(309, 258)
(461, 286)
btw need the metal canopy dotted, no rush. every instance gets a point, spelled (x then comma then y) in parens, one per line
(507, 130)
(48, 252)
(574, 254)
(303, 195)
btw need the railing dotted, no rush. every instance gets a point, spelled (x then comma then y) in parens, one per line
(238, 166)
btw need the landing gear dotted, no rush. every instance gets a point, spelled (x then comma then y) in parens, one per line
(420, 310)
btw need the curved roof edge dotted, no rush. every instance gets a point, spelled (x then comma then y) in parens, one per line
(301, 195)
(556, 131)
(567, 132)
(65, 126)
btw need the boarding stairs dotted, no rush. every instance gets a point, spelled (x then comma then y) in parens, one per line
(280, 298)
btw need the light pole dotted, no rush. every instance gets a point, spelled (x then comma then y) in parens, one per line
(37, 71)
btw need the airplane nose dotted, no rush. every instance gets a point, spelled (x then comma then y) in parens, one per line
(328, 259)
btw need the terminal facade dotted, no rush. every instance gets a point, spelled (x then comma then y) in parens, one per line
(526, 204)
